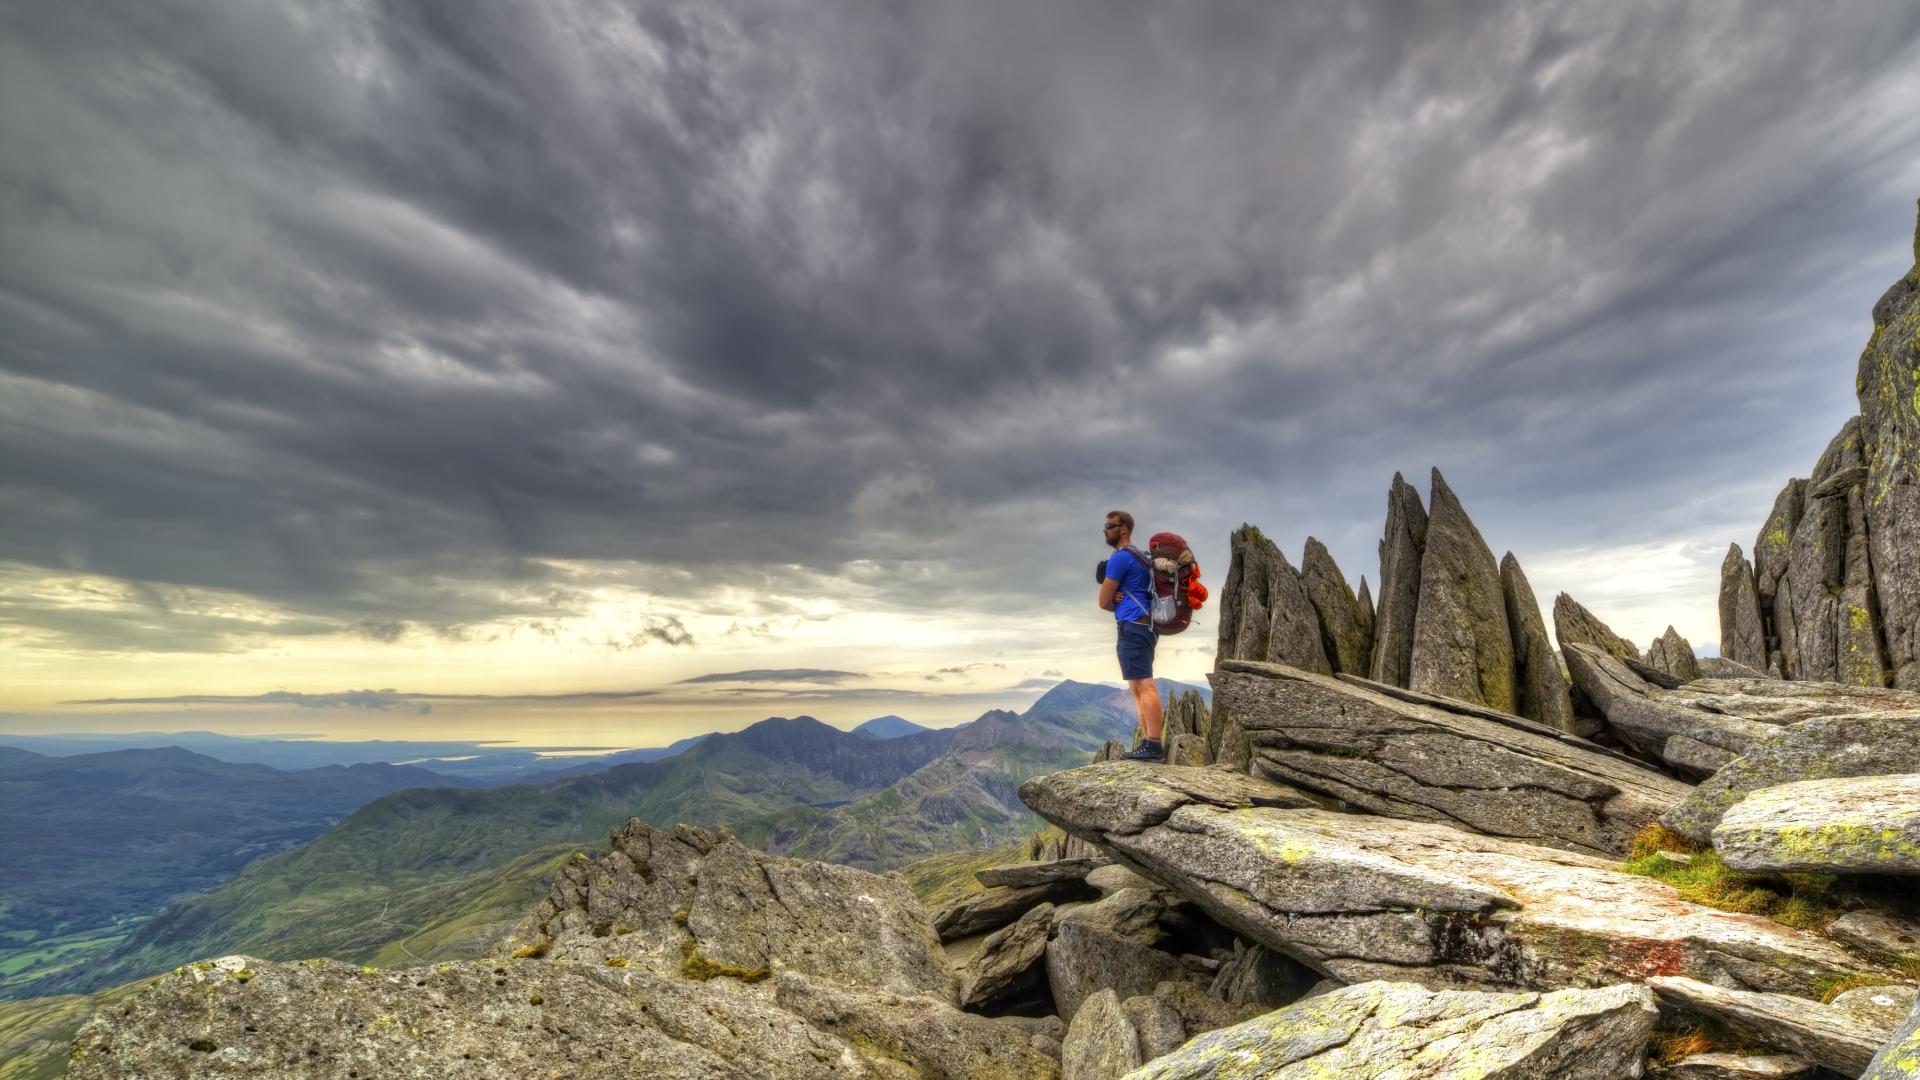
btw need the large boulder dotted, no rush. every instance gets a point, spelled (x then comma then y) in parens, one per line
(1541, 688)
(686, 899)
(1359, 897)
(1462, 647)
(978, 913)
(1401, 1029)
(1083, 959)
(1854, 825)
(1826, 748)
(1264, 610)
(1007, 959)
(1836, 1038)
(1401, 551)
(1743, 634)
(1345, 630)
(1424, 758)
(1102, 1042)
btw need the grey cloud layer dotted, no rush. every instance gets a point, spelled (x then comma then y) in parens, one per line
(375, 310)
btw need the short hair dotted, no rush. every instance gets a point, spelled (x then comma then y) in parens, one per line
(1124, 519)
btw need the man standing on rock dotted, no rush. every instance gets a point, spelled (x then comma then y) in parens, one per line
(1126, 589)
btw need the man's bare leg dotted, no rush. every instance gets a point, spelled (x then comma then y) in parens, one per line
(1146, 701)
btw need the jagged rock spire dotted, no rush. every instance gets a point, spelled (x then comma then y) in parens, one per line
(1743, 634)
(1345, 630)
(1673, 654)
(1265, 614)
(1401, 550)
(1540, 686)
(1462, 647)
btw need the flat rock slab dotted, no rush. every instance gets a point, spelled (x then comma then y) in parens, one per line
(1858, 825)
(1878, 932)
(1735, 1067)
(1872, 744)
(511, 1020)
(1360, 897)
(1707, 723)
(1422, 758)
(1039, 873)
(1397, 1029)
(1838, 1039)
(995, 908)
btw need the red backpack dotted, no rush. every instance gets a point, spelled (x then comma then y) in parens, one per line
(1177, 592)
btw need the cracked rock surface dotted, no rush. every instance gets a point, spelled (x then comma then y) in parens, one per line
(1361, 897)
(1401, 1030)
(1873, 744)
(1856, 825)
(1423, 758)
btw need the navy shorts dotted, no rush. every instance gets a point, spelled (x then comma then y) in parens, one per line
(1136, 650)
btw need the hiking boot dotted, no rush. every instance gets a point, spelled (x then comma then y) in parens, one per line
(1147, 750)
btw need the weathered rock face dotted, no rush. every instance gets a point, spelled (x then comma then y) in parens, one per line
(1083, 960)
(677, 900)
(1434, 761)
(1401, 1029)
(1704, 725)
(1401, 552)
(1265, 613)
(1359, 897)
(1673, 654)
(1023, 875)
(1541, 689)
(990, 910)
(1856, 825)
(1186, 714)
(1368, 622)
(1743, 635)
(1877, 932)
(1345, 631)
(1101, 1041)
(1009, 956)
(1837, 564)
(1573, 624)
(1462, 647)
(1836, 1038)
(1821, 749)
(1889, 387)
(1899, 1059)
(1721, 1066)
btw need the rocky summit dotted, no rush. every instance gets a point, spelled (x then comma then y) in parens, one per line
(1417, 838)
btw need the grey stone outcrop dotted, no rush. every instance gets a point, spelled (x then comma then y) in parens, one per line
(1346, 632)
(1541, 689)
(1264, 610)
(1836, 1038)
(1825, 748)
(1462, 647)
(1440, 761)
(1401, 551)
(1673, 654)
(1854, 825)
(1401, 1029)
(1743, 634)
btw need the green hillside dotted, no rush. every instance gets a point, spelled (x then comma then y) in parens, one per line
(96, 843)
(448, 867)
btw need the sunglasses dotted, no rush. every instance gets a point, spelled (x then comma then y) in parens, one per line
(1109, 527)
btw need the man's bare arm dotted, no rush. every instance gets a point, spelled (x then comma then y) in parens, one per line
(1109, 593)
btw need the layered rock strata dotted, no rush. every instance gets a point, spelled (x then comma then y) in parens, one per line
(1402, 1029)
(1432, 760)
(1706, 724)
(1835, 1038)
(1359, 897)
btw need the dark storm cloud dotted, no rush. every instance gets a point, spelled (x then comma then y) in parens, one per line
(384, 313)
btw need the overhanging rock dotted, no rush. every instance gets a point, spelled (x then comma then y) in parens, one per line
(1405, 755)
(1359, 897)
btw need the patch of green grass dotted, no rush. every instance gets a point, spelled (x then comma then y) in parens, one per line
(1799, 900)
(1828, 987)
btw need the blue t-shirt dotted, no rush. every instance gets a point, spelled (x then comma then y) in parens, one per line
(1136, 586)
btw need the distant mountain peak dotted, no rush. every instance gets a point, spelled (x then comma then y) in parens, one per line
(889, 727)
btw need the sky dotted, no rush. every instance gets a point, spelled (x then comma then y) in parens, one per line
(597, 371)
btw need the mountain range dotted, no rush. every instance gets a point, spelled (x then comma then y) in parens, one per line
(94, 842)
(431, 874)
